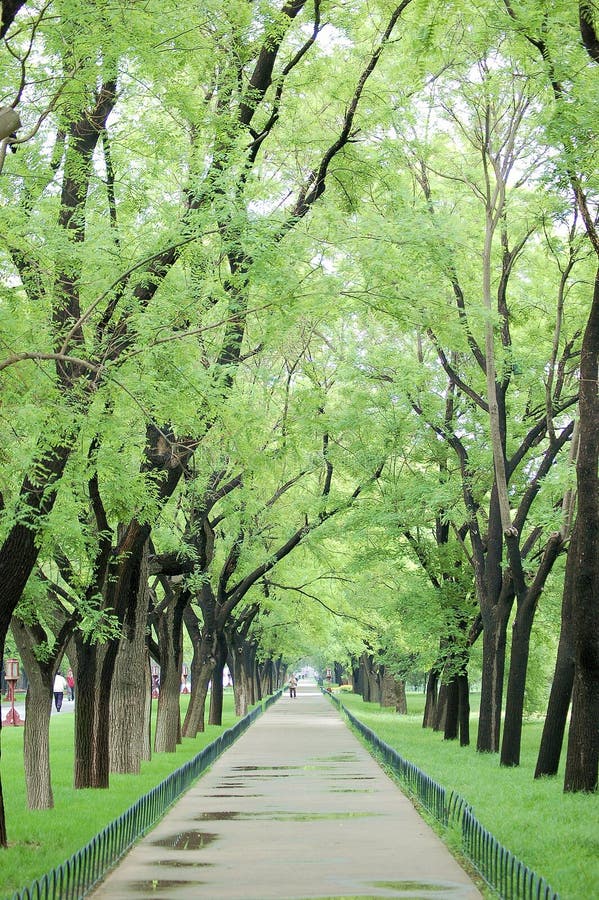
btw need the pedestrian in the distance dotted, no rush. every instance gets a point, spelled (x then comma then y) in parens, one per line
(71, 684)
(59, 689)
(293, 686)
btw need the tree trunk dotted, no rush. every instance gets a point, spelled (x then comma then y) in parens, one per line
(520, 649)
(91, 703)
(401, 701)
(36, 744)
(38, 707)
(441, 709)
(128, 695)
(170, 642)
(464, 712)
(242, 687)
(202, 667)
(257, 686)
(452, 708)
(563, 678)
(582, 761)
(356, 678)
(494, 642)
(215, 716)
(430, 704)
(387, 690)
(267, 678)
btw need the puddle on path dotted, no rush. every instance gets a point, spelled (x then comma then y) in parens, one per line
(280, 816)
(262, 768)
(227, 796)
(348, 776)
(414, 890)
(405, 890)
(157, 885)
(341, 757)
(180, 863)
(266, 774)
(351, 791)
(186, 840)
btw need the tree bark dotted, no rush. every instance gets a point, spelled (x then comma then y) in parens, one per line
(452, 708)
(494, 644)
(464, 711)
(202, 667)
(38, 707)
(215, 715)
(128, 695)
(554, 727)
(430, 704)
(582, 761)
(170, 642)
(401, 701)
(441, 709)
(388, 689)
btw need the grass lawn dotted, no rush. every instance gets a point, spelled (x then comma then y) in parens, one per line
(39, 840)
(555, 834)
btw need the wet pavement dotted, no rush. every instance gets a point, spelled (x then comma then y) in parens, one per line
(296, 809)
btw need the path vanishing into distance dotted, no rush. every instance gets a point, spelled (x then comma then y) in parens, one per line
(296, 808)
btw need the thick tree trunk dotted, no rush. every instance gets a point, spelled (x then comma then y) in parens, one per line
(494, 643)
(170, 642)
(401, 701)
(128, 710)
(38, 707)
(430, 704)
(36, 741)
(267, 678)
(554, 728)
(202, 668)
(253, 662)
(520, 650)
(388, 689)
(128, 696)
(582, 761)
(364, 679)
(356, 678)
(215, 716)
(452, 709)
(464, 713)
(91, 756)
(441, 709)
(242, 679)
(242, 690)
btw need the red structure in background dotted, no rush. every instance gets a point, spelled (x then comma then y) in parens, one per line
(11, 675)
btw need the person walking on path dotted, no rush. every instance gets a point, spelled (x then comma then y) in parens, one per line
(293, 686)
(71, 684)
(59, 689)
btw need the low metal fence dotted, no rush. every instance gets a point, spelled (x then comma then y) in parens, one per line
(501, 870)
(76, 877)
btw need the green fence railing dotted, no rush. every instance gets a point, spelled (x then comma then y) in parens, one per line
(502, 871)
(76, 877)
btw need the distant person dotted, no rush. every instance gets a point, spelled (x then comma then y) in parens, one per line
(71, 684)
(59, 689)
(293, 686)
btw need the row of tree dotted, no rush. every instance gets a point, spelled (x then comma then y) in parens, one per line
(300, 326)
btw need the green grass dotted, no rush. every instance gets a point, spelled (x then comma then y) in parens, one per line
(555, 834)
(40, 840)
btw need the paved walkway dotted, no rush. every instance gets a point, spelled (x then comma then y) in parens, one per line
(296, 809)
